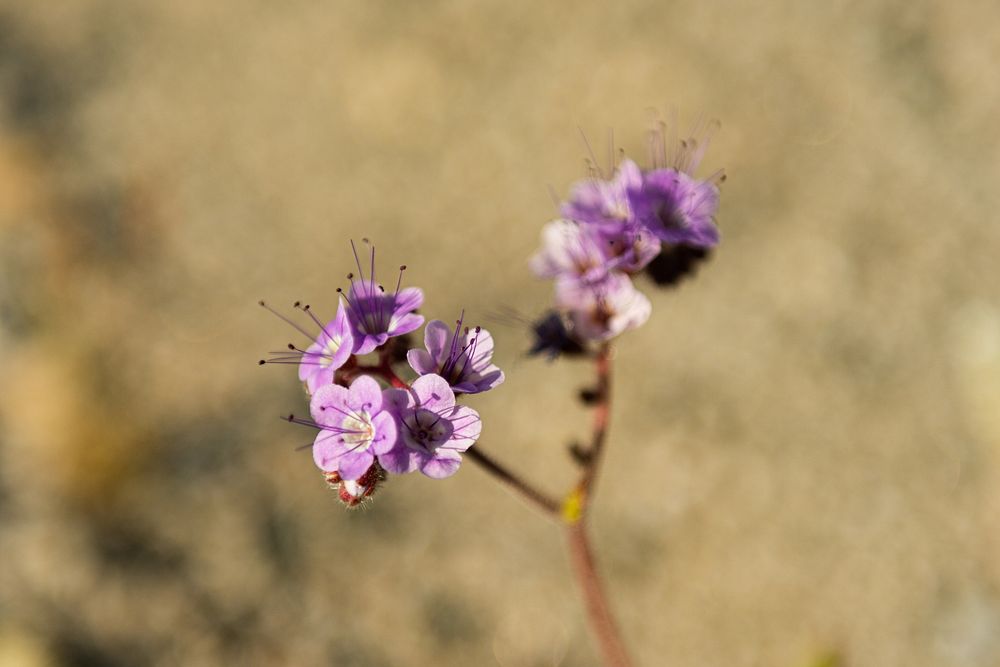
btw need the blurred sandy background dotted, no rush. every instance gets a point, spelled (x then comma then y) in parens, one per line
(805, 463)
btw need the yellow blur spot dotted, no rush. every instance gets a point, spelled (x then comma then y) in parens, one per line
(572, 507)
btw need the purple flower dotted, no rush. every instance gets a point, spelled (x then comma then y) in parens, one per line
(629, 246)
(603, 311)
(328, 353)
(602, 202)
(463, 359)
(433, 431)
(354, 428)
(572, 250)
(677, 209)
(376, 315)
(330, 349)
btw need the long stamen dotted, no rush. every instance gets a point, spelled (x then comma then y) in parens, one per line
(306, 309)
(295, 325)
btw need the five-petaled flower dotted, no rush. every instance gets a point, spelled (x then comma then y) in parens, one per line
(433, 430)
(464, 358)
(353, 427)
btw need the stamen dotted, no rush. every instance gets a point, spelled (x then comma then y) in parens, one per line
(322, 326)
(593, 158)
(282, 317)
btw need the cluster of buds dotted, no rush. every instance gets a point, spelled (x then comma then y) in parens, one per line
(616, 225)
(369, 421)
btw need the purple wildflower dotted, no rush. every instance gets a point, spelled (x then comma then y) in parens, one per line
(603, 311)
(354, 428)
(601, 202)
(677, 209)
(376, 315)
(463, 359)
(433, 430)
(330, 349)
(571, 249)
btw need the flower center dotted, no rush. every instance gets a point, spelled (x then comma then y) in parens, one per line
(670, 216)
(426, 430)
(329, 352)
(357, 431)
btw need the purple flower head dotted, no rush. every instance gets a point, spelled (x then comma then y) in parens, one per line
(353, 427)
(603, 311)
(462, 358)
(601, 202)
(330, 349)
(571, 250)
(629, 247)
(677, 209)
(433, 430)
(377, 315)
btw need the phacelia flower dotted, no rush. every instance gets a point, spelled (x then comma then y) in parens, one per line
(330, 349)
(601, 202)
(572, 250)
(433, 430)
(354, 427)
(603, 311)
(671, 203)
(377, 315)
(677, 209)
(462, 357)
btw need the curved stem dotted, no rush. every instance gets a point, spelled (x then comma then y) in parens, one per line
(539, 500)
(602, 623)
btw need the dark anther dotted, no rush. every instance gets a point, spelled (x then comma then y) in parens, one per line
(589, 396)
(261, 362)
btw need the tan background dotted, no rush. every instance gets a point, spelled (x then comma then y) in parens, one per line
(804, 460)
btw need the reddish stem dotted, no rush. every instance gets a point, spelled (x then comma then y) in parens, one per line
(602, 623)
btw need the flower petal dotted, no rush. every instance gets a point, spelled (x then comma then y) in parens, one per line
(421, 362)
(432, 392)
(400, 459)
(385, 433)
(468, 426)
(329, 404)
(408, 299)
(353, 464)
(437, 335)
(365, 394)
(442, 464)
(405, 324)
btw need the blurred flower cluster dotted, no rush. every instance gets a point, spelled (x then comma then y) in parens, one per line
(616, 225)
(369, 420)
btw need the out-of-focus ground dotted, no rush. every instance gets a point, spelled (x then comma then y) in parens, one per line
(805, 456)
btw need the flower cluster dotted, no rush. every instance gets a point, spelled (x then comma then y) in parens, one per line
(612, 228)
(370, 421)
